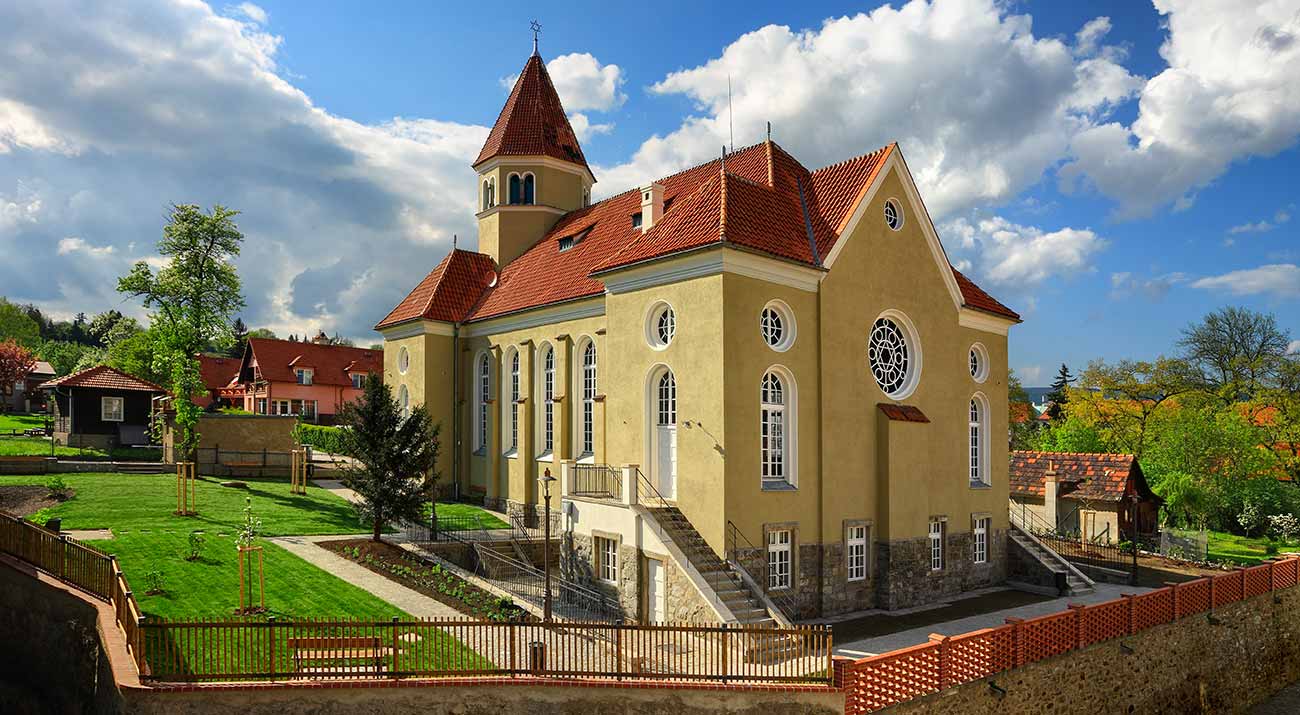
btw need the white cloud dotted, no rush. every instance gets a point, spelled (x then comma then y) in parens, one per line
(73, 244)
(1231, 90)
(583, 127)
(1088, 39)
(249, 11)
(583, 83)
(1264, 226)
(981, 106)
(1125, 284)
(1029, 374)
(1021, 256)
(23, 208)
(190, 107)
(1279, 280)
(1293, 348)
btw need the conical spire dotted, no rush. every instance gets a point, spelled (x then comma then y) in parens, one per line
(533, 122)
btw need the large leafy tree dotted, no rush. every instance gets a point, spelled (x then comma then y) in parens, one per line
(15, 323)
(15, 362)
(1237, 352)
(1121, 399)
(192, 301)
(393, 456)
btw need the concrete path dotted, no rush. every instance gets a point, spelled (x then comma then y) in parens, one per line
(88, 534)
(409, 600)
(335, 486)
(902, 639)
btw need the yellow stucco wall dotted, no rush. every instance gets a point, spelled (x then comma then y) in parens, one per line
(506, 232)
(428, 380)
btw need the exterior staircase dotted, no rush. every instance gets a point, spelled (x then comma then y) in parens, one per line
(1076, 582)
(729, 587)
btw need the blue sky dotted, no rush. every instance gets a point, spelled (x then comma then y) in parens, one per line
(1110, 191)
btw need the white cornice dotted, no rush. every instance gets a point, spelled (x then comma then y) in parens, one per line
(977, 320)
(712, 261)
(898, 164)
(414, 328)
(547, 315)
(521, 208)
(549, 162)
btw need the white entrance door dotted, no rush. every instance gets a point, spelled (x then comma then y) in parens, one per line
(665, 451)
(655, 591)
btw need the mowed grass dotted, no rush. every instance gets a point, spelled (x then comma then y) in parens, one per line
(459, 514)
(1241, 549)
(40, 447)
(20, 421)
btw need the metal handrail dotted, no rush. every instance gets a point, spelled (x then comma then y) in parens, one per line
(647, 492)
(598, 481)
(566, 592)
(785, 602)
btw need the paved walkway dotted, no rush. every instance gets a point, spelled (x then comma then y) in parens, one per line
(335, 487)
(88, 534)
(914, 636)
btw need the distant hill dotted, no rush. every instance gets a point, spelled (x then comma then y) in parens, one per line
(1037, 394)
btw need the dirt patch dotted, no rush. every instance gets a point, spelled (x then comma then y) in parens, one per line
(399, 565)
(1155, 571)
(883, 624)
(27, 499)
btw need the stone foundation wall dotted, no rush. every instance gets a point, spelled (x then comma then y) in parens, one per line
(1022, 567)
(839, 595)
(904, 578)
(578, 564)
(684, 604)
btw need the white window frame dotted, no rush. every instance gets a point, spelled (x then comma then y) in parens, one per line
(606, 559)
(978, 442)
(980, 356)
(304, 376)
(980, 539)
(546, 402)
(482, 396)
(937, 532)
(652, 333)
(510, 410)
(403, 361)
(359, 380)
(588, 376)
(897, 207)
(404, 401)
(855, 551)
(912, 340)
(112, 409)
(780, 556)
(782, 417)
(788, 328)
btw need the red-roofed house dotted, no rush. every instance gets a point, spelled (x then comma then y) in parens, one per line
(101, 407)
(1083, 493)
(312, 379)
(730, 330)
(218, 374)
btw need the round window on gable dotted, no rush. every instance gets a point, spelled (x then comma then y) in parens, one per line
(661, 326)
(776, 325)
(893, 215)
(979, 362)
(894, 355)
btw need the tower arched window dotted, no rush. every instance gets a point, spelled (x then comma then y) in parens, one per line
(774, 432)
(516, 189)
(484, 395)
(530, 189)
(588, 398)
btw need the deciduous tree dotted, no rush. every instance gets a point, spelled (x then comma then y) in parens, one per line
(15, 362)
(1237, 352)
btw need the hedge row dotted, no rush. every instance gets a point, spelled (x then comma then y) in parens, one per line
(326, 439)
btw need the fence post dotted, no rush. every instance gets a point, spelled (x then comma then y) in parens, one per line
(63, 556)
(270, 651)
(1077, 609)
(1132, 612)
(1272, 575)
(618, 652)
(629, 484)
(393, 672)
(1212, 580)
(1017, 641)
(944, 675)
(514, 663)
(1178, 599)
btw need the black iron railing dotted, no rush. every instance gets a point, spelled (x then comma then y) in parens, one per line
(737, 542)
(569, 600)
(596, 481)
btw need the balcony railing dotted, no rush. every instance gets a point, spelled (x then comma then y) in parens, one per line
(596, 481)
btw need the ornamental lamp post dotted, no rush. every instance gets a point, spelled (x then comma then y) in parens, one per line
(546, 480)
(1133, 521)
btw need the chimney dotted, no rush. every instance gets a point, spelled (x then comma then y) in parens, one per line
(652, 205)
(1049, 494)
(321, 339)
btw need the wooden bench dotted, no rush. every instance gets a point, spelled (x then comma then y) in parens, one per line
(358, 654)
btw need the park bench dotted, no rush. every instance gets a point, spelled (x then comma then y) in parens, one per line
(338, 654)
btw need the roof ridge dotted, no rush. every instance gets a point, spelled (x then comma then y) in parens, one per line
(852, 159)
(722, 203)
(1074, 454)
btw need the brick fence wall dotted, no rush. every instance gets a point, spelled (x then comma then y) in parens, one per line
(1207, 645)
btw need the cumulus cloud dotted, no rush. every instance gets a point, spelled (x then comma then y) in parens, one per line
(1125, 284)
(584, 85)
(1088, 39)
(1231, 90)
(1264, 226)
(1021, 256)
(249, 11)
(980, 105)
(583, 127)
(120, 118)
(1293, 348)
(1277, 280)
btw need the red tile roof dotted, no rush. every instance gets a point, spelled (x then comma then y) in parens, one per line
(103, 377)
(329, 363)
(902, 413)
(758, 204)
(1083, 476)
(449, 291)
(217, 372)
(533, 123)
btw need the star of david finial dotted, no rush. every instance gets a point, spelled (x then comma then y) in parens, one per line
(537, 30)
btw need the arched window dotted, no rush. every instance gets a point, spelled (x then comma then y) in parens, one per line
(487, 196)
(404, 401)
(530, 189)
(516, 189)
(548, 407)
(484, 394)
(513, 446)
(773, 431)
(588, 398)
(979, 475)
(667, 393)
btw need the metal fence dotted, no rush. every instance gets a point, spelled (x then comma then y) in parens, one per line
(598, 481)
(569, 600)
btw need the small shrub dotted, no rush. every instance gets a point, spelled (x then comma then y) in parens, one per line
(58, 488)
(326, 439)
(196, 542)
(1270, 547)
(153, 582)
(1284, 526)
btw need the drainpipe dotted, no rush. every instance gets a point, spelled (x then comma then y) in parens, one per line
(455, 409)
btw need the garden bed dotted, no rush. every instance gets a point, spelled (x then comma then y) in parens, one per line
(28, 499)
(432, 580)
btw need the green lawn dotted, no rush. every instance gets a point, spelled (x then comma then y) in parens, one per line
(461, 514)
(1240, 549)
(40, 447)
(20, 421)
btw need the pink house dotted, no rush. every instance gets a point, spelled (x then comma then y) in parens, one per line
(312, 379)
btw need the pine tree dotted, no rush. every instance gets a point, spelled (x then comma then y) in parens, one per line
(1059, 395)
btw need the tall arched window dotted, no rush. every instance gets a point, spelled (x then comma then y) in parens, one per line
(548, 406)
(404, 401)
(516, 189)
(530, 189)
(667, 412)
(773, 431)
(484, 395)
(514, 401)
(588, 398)
(979, 474)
